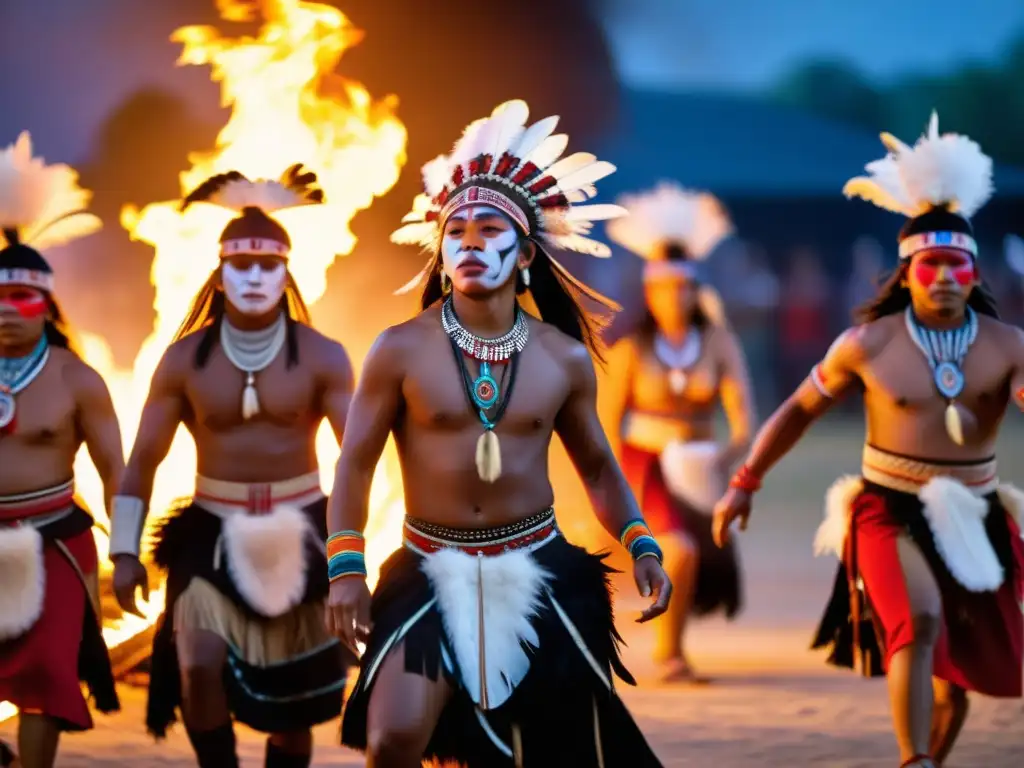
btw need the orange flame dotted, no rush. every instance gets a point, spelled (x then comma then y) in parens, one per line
(275, 84)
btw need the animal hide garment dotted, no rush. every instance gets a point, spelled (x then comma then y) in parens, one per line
(266, 558)
(22, 580)
(506, 591)
(957, 520)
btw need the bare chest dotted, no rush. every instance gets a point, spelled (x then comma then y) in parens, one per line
(286, 396)
(44, 413)
(437, 392)
(903, 377)
(658, 386)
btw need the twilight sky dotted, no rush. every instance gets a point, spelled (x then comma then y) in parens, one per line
(748, 43)
(743, 44)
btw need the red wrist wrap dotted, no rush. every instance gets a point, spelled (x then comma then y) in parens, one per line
(745, 480)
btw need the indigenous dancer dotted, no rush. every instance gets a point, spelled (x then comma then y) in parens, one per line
(492, 640)
(928, 529)
(666, 380)
(51, 403)
(246, 571)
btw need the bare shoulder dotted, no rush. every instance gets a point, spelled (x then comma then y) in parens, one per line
(1005, 334)
(80, 377)
(330, 356)
(721, 339)
(865, 342)
(572, 354)
(397, 344)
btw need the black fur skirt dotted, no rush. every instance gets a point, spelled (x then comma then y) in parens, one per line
(561, 711)
(292, 692)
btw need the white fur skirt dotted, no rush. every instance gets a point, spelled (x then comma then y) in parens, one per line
(535, 687)
(260, 582)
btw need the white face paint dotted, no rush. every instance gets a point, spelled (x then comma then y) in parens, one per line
(253, 288)
(482, 235)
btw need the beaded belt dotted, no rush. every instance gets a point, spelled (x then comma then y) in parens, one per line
(48, 501)
(909, 474)
(530, 533)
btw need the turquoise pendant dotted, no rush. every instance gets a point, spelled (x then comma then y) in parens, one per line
(485, 388)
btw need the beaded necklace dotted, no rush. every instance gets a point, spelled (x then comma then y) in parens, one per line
(483, 391)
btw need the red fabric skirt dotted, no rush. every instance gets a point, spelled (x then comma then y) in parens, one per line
(643, 473)
(981, 639)
(39, 670)
(719, 583)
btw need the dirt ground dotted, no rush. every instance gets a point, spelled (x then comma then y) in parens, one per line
(774, 703)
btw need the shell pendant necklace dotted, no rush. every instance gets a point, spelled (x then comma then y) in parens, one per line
(945, 351)
(483, 390)
(251, 352)
(679, 360)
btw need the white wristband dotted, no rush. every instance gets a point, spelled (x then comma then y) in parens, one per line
(127, 516)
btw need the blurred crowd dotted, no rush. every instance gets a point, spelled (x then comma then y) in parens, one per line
(788, 307)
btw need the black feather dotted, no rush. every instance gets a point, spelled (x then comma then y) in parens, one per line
(303, 182)
(210, 187)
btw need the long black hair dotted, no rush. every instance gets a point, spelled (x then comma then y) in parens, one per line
(57, 330)
(207, 313)
(893, 296)
(558, 295)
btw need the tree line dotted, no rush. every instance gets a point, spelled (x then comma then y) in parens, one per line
(983, 100)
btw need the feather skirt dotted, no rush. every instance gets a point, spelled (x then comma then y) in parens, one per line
(562, 712)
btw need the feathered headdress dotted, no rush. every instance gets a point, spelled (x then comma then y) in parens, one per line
(257, 229)
(695, 222)
(519, 170)
(939, 183)
(41, 206)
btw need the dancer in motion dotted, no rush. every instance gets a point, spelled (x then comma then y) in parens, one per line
(51, 403)
(928, 529)
(246, 573)
(490, 638)
(666, 381)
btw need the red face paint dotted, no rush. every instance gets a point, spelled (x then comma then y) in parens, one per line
(27, 302)
(945, 264)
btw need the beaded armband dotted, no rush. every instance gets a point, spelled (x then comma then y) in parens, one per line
(346, 555)
(637, 539)
(745, 480)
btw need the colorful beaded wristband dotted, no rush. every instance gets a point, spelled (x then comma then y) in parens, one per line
(745, 480)
(346, 555)
(637, 539)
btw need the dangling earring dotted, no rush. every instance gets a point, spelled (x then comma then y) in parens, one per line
(446, 283)
(525, 272)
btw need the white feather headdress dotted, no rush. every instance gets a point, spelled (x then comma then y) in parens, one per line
(41, 206)
(670, 213)
(519, 169)
(234, 194)
(940, 172)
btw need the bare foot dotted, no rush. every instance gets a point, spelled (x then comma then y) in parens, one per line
(679, 671)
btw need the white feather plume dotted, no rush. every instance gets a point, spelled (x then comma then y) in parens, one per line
(534, 136)
(670, 213)
(939, 170)
(267, 195)
(506, 131)
(43, 203)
